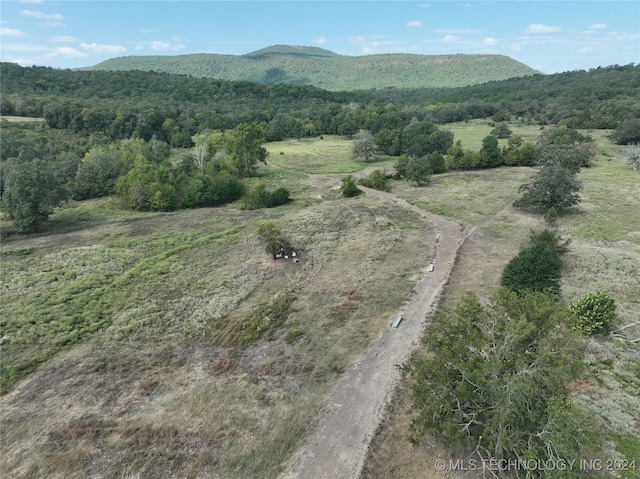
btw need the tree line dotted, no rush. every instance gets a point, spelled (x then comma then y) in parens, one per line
(141, 174)
(124, 104)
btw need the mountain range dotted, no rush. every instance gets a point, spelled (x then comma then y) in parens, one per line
(331, 71)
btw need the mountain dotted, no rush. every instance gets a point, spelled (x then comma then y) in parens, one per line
(331, 71)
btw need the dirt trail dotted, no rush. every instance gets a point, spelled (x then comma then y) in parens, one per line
(338, 446)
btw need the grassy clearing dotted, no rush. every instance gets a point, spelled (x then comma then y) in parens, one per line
(472, 132)
(156, 366)
(168, 377)
(604, 255)
(15, 119)
(329, 154)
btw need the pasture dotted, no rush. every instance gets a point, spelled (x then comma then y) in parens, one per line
(140, 343)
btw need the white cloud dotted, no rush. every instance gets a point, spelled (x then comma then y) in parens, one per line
(457, 31)
(32, 1)
(160, 46)
(11, 32)
(67, 52)
(371, 47)
(490, 41)
(319, 41)
(41, 15)
(145, 30)
(450, 38)
(63, 39)
(98, 49)
(595, 28)
(24, 47)
(414, 23)
(179, 39)
(165, 46)
(425, 5)
(586, 50)
(539, 28)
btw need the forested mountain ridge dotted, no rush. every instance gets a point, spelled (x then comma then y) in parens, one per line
(329, 70)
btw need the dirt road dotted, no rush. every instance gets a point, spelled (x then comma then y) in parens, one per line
(338, 446)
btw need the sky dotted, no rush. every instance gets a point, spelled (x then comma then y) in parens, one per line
(550, 36)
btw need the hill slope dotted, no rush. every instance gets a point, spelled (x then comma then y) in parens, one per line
(328, 70)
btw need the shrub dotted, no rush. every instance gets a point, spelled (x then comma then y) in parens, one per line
(537, 267)
(349, 188)
(260, 197)
(551, 216)
(593, 313)
(376, 180)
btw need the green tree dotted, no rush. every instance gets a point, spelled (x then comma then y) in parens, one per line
(376, 180)
(245, 147)
(593, 313)
(274, 240)
(417, 170)
(146, 187)
(556, 185)
(536, 267)
(30, 192)
(490, 152)
(501, 130)
(437, 162)
(349, 187)
(201, 191)
(260, 197)
(494, 381)
(627, 133)
(97, 173)
(364, 147)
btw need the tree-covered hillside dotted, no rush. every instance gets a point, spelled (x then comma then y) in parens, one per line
(175, 107)
(598, 98)
(328, 70)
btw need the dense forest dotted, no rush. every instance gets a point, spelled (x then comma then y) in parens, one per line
(175, 107)
(328, 70)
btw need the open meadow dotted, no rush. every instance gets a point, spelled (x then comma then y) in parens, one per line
(171, 345)
(156, 342)
(604, 254)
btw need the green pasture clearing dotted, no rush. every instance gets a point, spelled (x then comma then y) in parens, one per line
(327, 154)
(472, 132)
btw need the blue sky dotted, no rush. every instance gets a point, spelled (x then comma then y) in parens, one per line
(551, 36)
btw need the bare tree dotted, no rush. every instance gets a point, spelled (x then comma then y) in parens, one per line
(632, 152)
(201, 149)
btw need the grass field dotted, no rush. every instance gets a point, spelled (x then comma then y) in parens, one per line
(327, 154)
(134, 344)
(604, 255)
(138, 325)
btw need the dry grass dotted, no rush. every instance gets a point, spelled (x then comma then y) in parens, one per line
(604, 255)
(158, 392)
